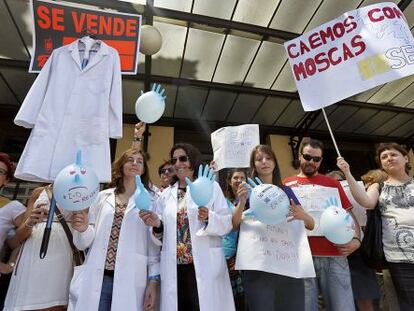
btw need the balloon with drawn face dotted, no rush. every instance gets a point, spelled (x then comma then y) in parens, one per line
(76, 186)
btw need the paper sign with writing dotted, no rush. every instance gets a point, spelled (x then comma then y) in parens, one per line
(57, 24)
(355, 52)
(232, 145)
(313, 198)
(280, 249)
(359, 211)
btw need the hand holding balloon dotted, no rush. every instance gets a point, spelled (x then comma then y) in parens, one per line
(268, 204)
(201, 190)
(80, 220)
(150, 218)
(150, 106)
(141, 196)
(76, 186)
(336, 224)
(203, 213)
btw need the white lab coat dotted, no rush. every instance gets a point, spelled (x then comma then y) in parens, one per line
(137, 258)
(70, 109)
(213, 282)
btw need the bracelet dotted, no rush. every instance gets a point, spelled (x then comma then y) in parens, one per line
(358, 239)
(156, 278)
(137, 139)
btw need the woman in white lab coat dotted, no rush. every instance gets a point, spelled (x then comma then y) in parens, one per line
(121, 269)
(193, 268)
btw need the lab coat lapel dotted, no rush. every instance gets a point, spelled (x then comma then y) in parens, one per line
(74, 53)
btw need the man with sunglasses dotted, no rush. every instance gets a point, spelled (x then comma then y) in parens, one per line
(166, 173)
(331, 265)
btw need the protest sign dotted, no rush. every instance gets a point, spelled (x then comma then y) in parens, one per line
(281, 249)
(355, 52)
(232, 145)
(57, 24)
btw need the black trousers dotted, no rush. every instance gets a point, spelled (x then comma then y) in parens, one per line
(402, 275)
(277, 292)
(187, 288)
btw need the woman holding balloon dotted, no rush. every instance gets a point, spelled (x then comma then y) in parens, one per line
(193, 268)
(265, 279)
(121, 269)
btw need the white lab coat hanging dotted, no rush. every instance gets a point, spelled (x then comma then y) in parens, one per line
(69, 109)
(137, 258)
(213, 282)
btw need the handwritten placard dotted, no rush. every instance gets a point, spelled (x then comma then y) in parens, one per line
(313, 198)
(232, 145)
(280, 249)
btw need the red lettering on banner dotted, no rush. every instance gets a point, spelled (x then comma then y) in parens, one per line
(119, 26)
(44, 19)
(377, 15)
(58, 22)
(322, 37)
(131, 27)
(324, 60)
(78, 22)
(50, 18)
(105, 25)
(92, 22)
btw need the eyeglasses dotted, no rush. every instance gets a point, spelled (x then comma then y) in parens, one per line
(308, 157)
(167, 170)
(3, 171)
(182, 158)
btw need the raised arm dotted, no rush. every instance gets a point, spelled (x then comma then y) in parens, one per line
(367, 199)
(138, 135)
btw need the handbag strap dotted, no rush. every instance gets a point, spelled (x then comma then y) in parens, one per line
(64, 224)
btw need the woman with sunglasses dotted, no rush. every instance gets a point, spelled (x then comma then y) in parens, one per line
(193, 267)
(395, 200)
(121, 268)
(166, 173)
(280, 291)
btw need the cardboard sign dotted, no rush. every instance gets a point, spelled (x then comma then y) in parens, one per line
(232, 145)
(58, 24)
(351, 54)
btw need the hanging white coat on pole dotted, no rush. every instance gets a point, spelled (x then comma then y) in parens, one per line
(69, 109)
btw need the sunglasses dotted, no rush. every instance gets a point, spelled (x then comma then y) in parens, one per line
(182, 158)
(308, 157)
(168, 170)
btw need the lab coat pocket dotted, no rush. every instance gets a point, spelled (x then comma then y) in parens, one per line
(75, 285)
(217, 267)
(92, 132)
(141, 270)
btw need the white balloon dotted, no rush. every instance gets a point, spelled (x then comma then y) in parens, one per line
(151, 40)
(269, 204)
(337, 225)
(149, 107)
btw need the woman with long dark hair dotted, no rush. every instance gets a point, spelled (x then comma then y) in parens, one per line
(193, 267)
(282, 290)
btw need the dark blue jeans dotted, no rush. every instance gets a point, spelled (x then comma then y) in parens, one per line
(106, 293)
